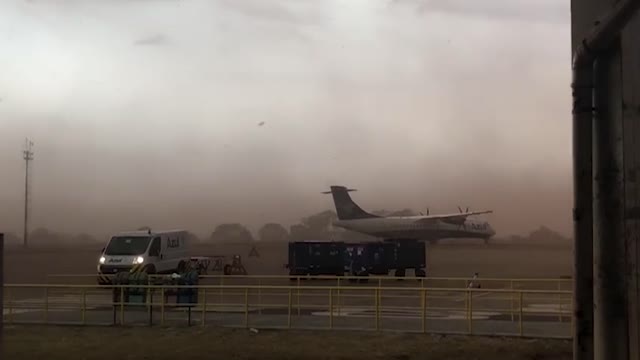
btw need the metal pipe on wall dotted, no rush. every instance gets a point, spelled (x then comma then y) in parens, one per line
(610, 286)
(582, 213)
(600, 37)
(1, 291)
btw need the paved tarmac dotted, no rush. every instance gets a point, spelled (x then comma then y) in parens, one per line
(445, 312)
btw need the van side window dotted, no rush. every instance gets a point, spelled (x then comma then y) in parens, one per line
(154, 250)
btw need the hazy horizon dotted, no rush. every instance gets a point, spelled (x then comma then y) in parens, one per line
(192, 113)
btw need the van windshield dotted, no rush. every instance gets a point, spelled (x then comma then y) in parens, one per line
(127, 245)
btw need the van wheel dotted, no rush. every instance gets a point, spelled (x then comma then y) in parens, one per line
(182, 266)
(149, 269)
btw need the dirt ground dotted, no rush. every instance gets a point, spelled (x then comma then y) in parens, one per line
(146, 343)
(443, 260)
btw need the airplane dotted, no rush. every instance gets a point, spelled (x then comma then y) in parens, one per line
(418, 227)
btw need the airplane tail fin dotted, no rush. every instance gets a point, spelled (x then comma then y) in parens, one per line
(346, 208)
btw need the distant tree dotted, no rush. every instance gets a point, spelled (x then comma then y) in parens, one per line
(192, 238)
(273, 232)
(12, 238)
(546, 235)
(354, 236)
(321, 221)
(84, 239)
(231, 233)
(299, 232)
(44, 236)
(314, 227)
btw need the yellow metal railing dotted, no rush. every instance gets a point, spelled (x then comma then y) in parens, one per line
(541, 313)
(562, 284)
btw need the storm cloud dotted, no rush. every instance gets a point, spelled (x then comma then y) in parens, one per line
(415, 103)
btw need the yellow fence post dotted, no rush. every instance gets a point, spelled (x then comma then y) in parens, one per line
(289, 311)
(330, 308)
(520, 317)
(149, 302)
(84, 306)
(339, 292)
(204, 307)
(221, 290)
(470, 313)
(572, 318)
(162, 306)
(46, 305)
(121, 305)
(559, 303)
(246, 307)
(423, 292)
(377, 294)
(298, 297)
(10, 301)
(512, 301)
(260, 296)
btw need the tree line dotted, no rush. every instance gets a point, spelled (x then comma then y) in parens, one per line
(314, 227)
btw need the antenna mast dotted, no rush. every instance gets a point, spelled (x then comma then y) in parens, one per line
(27, 155)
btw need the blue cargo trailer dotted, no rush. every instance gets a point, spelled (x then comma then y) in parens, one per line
(356, 259)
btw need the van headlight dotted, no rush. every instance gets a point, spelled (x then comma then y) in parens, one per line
(102, 259)
(138, 260)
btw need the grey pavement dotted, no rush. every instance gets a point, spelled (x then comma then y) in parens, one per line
(443, 313)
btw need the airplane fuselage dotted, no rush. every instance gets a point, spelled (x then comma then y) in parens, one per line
(410, 227)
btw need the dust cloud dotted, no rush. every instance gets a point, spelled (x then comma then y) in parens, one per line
(148, 112)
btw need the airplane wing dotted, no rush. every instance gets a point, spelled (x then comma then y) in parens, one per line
(457, 218)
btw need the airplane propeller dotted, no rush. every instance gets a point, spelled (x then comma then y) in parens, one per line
(463, 225)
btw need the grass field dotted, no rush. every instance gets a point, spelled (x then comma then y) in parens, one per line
(33, 342)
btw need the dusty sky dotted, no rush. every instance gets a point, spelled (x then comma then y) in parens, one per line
(148, 112)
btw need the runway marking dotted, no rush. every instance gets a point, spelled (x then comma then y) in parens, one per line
(20, 306)
(547, 308)
(66, 299)
(6, 312)
(407, 314)
(477, 295)
(221, 309)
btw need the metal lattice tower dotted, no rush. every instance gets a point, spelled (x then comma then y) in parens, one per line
(27, 155)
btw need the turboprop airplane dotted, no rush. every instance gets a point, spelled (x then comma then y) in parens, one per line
(418, 227)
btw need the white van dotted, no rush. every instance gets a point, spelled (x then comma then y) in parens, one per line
(160, 252)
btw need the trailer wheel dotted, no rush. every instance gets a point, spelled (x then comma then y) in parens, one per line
(420, 273)
(400, 273)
